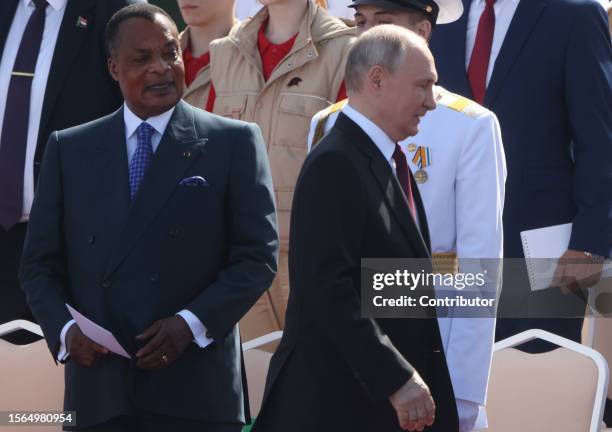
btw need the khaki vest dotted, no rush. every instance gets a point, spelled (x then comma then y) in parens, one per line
(306, 81)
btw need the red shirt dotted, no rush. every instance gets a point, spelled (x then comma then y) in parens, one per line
(271, 55)
(193, 65)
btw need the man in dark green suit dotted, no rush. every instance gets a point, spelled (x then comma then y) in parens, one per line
(158, 223)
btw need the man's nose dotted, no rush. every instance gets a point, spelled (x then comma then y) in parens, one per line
(160, 65)
(430, 102)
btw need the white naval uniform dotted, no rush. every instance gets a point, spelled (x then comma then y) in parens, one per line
(463, 199)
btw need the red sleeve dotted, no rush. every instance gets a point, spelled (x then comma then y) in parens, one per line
(210, 103)
(341, 93)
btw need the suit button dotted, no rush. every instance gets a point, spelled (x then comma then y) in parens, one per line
(154, 277)
(174, 233)
(91, 239)
(208, 335)
(106, 284)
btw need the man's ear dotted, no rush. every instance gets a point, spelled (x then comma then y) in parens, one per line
(423, 29)
(112, 68)
(376, 76)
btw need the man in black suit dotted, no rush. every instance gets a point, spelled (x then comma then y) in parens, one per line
(544, 67)
(334, 370)
(51, 77)
(158, 223)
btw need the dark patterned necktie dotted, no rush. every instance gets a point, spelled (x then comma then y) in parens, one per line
(14, 137)
(142, 157)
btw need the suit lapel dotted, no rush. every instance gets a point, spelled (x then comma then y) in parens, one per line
(525, 18)
(69, 42)
(424, 227)
(387, 182)
(111, 187)
(179, 148)
(7, 12)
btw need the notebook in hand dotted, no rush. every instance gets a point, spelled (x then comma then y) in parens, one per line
(542, 248)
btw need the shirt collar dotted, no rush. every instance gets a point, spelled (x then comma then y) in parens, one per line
(376, 134)
(132, 121)
(57, 5)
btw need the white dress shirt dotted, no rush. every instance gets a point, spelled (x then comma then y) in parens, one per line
(385, 144)
(53, 20)
(159, 124)
(504, 12)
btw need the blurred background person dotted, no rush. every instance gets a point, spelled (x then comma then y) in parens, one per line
(278, 69)
(206, 20)
(544, 67)
(53, 75)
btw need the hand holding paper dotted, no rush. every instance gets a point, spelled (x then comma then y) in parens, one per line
(83, 350)
(97, 334)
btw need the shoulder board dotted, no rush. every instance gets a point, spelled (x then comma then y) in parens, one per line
(322, 120)
(335, 107)
(458, 103)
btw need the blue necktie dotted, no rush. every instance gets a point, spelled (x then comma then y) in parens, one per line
(142, 157)
(14, 134)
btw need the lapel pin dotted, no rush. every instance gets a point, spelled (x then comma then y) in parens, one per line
(186, 155)
(81, 22)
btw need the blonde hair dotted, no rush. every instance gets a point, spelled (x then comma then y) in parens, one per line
(322, 3)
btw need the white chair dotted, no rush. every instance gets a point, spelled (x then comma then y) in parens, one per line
(31, 381)
(29, 378)
(558, 391)
(256, 363)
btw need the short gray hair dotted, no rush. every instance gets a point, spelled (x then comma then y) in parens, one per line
(384, 45)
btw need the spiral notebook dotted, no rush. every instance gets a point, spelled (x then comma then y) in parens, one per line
(542, 247)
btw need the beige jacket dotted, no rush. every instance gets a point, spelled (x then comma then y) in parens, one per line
(306, 81)
(197, 93)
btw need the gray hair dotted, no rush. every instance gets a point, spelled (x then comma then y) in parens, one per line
(384, 45)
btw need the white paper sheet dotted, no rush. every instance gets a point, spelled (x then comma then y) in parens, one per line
(96, 333)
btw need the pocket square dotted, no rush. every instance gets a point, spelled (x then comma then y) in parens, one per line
(194, 181)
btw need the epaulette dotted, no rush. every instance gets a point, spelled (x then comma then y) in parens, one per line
(458, 103)
(320, 128)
